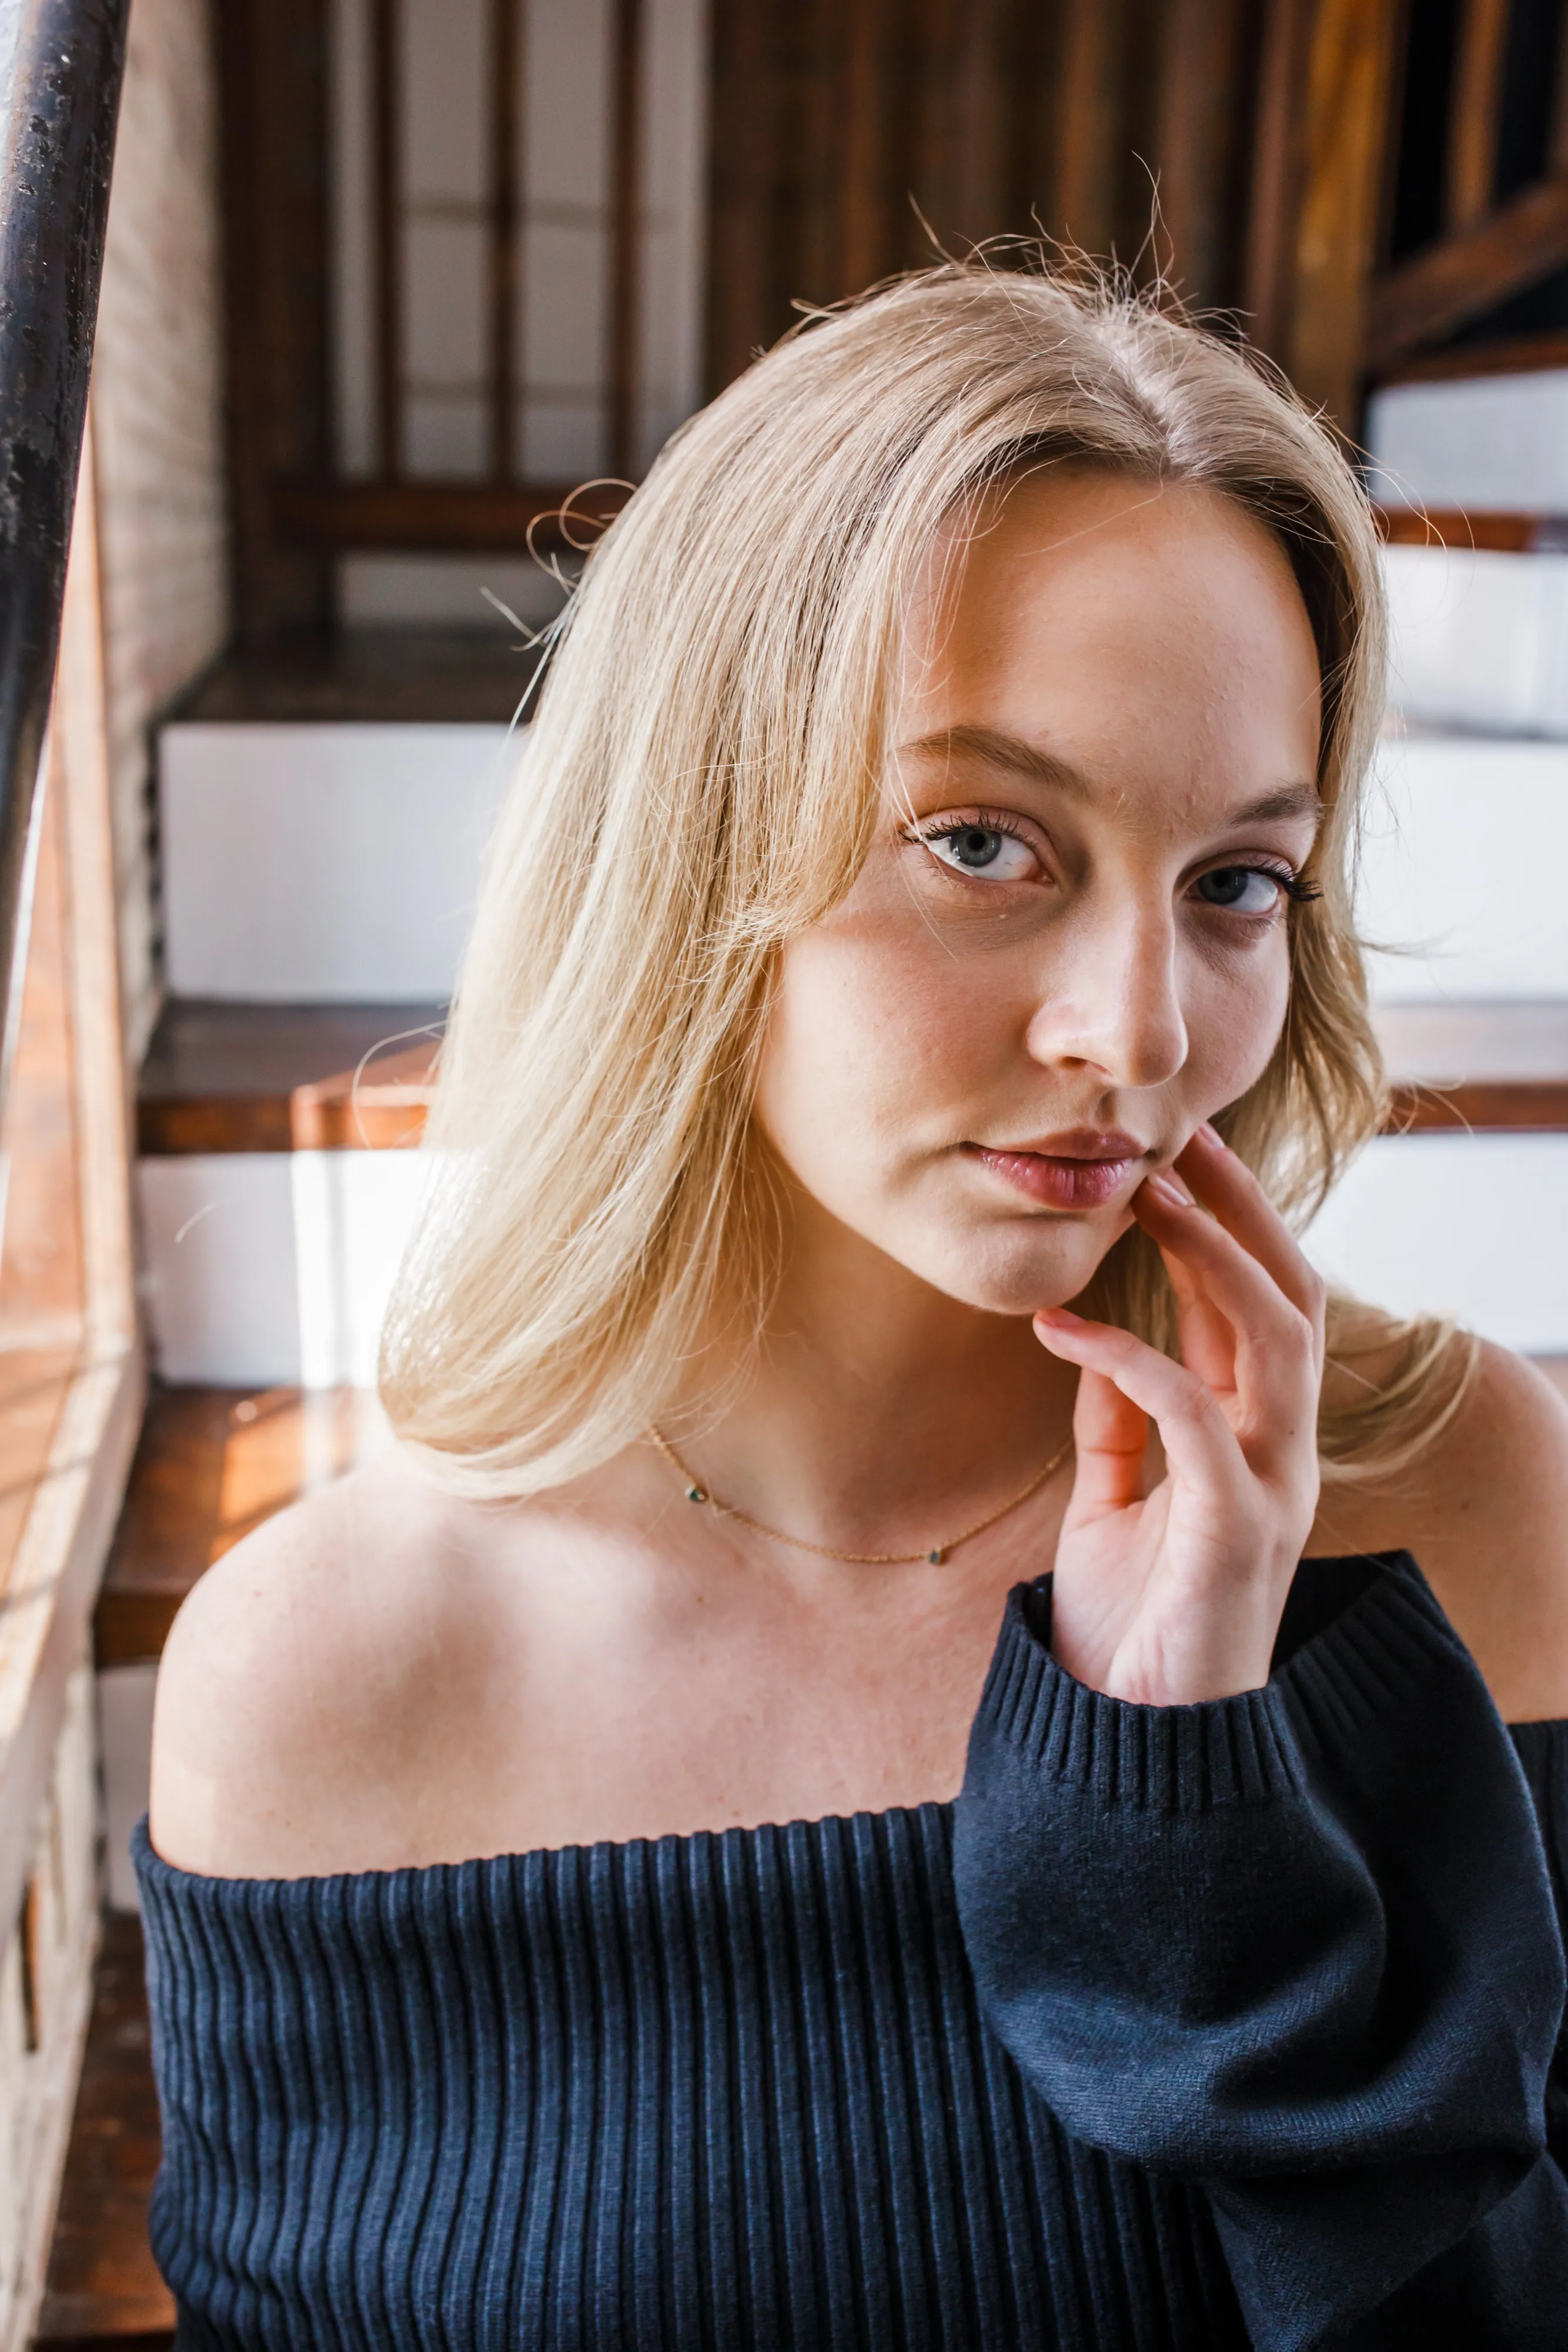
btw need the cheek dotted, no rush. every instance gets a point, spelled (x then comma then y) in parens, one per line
(1235, 1011)
(871, 1038)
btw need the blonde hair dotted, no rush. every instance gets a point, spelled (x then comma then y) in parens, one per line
(702, 780)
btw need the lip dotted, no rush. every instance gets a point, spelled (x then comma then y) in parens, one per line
(1082, 1168)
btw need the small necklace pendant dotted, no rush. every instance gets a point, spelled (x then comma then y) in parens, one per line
(696, 1495)
(935, 1557)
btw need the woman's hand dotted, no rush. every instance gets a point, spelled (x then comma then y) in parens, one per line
(1176, 1596)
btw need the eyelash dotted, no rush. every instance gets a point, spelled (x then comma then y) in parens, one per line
(976, 821)
(1301, 893)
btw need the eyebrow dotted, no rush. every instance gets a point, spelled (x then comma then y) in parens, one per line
(1296, 799)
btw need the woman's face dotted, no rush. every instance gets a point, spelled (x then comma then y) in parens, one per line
(1068, 945)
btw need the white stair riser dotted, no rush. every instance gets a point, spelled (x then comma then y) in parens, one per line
(125, 1746)
(270, 1269)
(1478, 640)
(323, 864)
(273, 1268)
(1466, 840)
(1497, 443)
(1470, 1225)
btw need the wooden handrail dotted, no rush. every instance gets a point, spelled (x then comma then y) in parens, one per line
(58, 108)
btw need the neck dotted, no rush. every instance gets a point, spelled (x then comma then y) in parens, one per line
(877, 1414)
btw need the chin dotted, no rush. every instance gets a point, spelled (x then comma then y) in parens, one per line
(1017, 1273)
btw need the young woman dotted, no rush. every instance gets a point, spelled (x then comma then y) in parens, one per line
(597, 1894)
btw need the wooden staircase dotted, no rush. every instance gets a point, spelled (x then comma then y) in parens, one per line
(211, 1465)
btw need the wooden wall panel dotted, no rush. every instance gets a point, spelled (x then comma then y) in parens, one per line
(272, 57)
(1119, 127)
(1348, 125)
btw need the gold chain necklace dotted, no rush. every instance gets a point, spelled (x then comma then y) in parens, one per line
(697, 1493)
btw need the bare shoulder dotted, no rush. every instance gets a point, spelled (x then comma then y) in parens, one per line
(1484, 1509)
(298, 1681)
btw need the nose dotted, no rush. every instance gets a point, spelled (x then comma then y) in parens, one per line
(1110, 1000)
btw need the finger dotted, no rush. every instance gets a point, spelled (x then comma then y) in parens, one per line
(1199, 1445)
(1227, 1186)
(1110, 1440)
(1205, 1340)
(1277, 1342)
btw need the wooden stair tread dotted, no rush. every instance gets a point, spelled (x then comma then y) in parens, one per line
(103, 2284)
(222, 1077)
(1491, 1068)
(369, 676)
(211, 1465)
(1489, 532)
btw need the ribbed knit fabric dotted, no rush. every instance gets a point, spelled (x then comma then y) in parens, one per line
(1185, 2028)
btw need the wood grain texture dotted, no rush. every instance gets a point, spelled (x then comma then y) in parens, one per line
(505, 240)
(510, 516)
(1201, 124)
(1475, 109)
(213, 1464)
(70, 1390)
(104, 2283)
(1089, 105)
(272, 58)
(386, 213)
(1502, 534)
(625, 226)
(264, 1077)
(1513, 355)
(45, 1979)
(1346, 132)
(42, 1283)
(81, 780)
(1488, 1068)
(1437, 290)
(441, 676)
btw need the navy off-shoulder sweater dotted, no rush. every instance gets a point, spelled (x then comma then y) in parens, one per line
(1185, 2027)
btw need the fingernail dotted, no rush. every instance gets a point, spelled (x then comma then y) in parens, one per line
(1211, 1134)
(1061, 1316)
(1166, 1188)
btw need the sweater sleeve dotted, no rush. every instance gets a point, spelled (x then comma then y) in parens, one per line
(1300, 1946)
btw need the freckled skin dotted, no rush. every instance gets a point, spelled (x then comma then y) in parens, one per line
(1158, 645)
(385, 1675)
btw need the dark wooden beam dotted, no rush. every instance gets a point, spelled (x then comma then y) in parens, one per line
(1347, 127)
(273, 140)
(625, 236)
(386, 176)
(1557, 129)
(1428, 296)
(1517, 355)
(863, 142)
(479, 516)
(1474, 113)
(505, 239)
(1088, 122)
(1199, 142)
(1279, 161)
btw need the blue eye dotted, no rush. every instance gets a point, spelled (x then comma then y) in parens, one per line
(1242, 889)
(983, 850)
(977, 845)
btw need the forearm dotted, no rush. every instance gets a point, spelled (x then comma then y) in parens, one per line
(1275, 1944)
